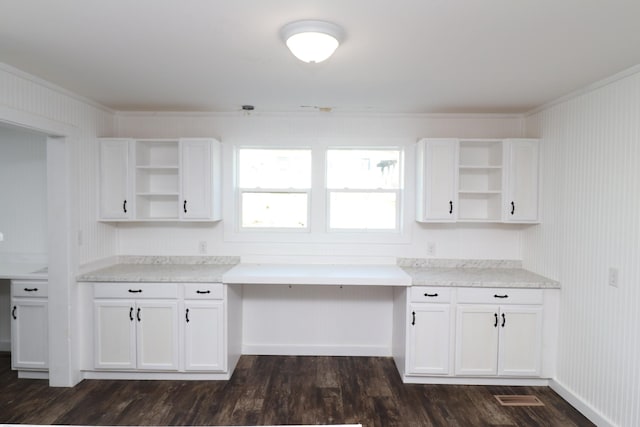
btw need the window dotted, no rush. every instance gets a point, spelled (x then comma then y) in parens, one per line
(363, 189)
(274, 187)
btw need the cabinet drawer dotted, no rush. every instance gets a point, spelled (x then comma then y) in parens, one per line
(204, 291)
(430, 294)
(29, 288)
(135, 290)
(500, 296)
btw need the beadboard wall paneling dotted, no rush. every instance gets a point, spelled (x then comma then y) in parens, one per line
(23, 191)
(22, 92)
(455, 241)
(590, 222)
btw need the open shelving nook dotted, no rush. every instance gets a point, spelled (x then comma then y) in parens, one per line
(157, 179)
(480, 180)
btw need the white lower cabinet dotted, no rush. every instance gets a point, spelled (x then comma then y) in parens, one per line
(429, 331)
(204, 327)
(461, 335)
(500, 339)
(29, 325)
(166, 327)
(135, 334)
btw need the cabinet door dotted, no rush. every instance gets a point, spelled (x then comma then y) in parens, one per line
(437, 186)
(477, 340)
(521, 199)
(429, 332)
(157, 335)
(196, 175)
(114, 334)
(520, 341)
(204, 336)
(116, 179)
(29, 334)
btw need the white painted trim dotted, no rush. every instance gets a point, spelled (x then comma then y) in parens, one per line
(34, 375)
(137, 375)
(307, 114)
(63, 348)
(44, 83)
(580, 404)
(530, 382)
(582, 91)
(315, 350)
(34, 122)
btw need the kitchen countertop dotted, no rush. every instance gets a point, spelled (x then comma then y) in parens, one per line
(23, 270)
(408, 272)
(163, 269)
(317, 274)
(474, 273)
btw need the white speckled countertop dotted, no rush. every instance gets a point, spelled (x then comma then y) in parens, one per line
(409, 271)
(317, 274)
(199, 269)
(473, 273)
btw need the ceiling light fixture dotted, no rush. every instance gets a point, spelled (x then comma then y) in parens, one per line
(312, 41)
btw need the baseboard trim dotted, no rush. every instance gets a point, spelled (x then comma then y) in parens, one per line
(5, 345)
(577, 402)
(315, 350)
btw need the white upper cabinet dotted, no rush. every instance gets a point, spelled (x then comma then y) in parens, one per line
(160, 180)
(521, 195)
(199, 158)
(116, 179)
(437, 180)
(477, 180)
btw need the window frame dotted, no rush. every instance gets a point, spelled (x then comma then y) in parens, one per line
(239, 191)
(397, 191)
(284, 241)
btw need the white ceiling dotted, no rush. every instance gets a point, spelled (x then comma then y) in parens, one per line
(415, 56)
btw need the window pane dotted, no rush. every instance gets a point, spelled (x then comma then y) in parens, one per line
(274, 168)
(363, 169)
(360, 211)
(274, 210)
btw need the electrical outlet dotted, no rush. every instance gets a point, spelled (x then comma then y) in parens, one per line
(613, 277)
(1, 237)
(202, 247)
(431, 248)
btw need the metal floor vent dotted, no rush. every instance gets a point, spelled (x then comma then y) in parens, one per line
(518, 400)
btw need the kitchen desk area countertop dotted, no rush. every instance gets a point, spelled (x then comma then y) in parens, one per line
(317, 274)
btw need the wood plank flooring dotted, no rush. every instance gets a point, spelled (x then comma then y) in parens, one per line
(278, 390)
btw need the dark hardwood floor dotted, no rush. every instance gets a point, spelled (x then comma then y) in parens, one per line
(278, 390)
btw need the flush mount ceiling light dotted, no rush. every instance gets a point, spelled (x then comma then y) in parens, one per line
(312, 41)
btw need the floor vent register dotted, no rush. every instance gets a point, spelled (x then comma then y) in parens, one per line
(518, 400)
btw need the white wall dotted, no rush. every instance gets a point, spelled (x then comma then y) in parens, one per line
(452, 241)
(71, 163)
(23, 191)
(590, 222)
(24, 95)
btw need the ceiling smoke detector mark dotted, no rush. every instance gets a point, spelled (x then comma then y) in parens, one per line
(518, 400)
